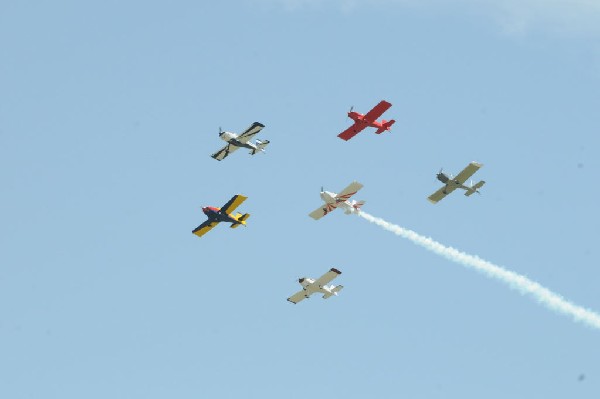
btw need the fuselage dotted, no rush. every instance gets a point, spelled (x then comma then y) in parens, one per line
(449, 181)
(309, 285)
(215, 214)
(360, 118)
(331, 198)
(336, 202)
(231, 138)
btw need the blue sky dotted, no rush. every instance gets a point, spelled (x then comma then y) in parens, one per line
(109, 114)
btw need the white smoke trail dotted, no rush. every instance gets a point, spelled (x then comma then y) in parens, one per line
(514, 280)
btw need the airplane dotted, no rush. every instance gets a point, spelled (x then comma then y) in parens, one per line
(218, 215)
(333, 200)
(369, 120)
(235, 141)
(311, 286)
(452, 183)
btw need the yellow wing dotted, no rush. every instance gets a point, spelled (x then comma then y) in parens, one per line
(233, 203)
(204, 228)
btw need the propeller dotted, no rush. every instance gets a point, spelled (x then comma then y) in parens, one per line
(351, 108)
(322, 189)
(220, 130)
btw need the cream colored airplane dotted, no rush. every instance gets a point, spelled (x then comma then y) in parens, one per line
(341, 200)
(311, 286)
(452, 183)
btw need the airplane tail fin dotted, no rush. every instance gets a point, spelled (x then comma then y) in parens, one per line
(334, 291)
(241, 220)
(386, 125)
(475, 188)
(260, 146)
(356, 205)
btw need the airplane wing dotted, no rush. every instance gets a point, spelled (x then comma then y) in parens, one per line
(322, 211)
(352, 131)
(223, 152)
(349, 191)
(297, 297)
(327, 277)
(250, 132)
(377, 111)
(233, 203)
(441, 194)
(468, 172)
(204, 228)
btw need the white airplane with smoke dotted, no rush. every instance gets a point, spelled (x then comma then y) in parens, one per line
(341, 200)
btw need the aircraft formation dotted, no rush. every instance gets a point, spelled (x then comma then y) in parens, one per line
(331, 200)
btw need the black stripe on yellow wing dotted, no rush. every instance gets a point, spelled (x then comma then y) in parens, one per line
(204, 228)
(233, 203)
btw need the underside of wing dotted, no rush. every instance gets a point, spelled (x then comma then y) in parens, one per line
(223, 152)
(297, 297)
(250, 132)
(352, 131)
(322, 211)
(377, 111)
(233, 203)
(468, 172)
(204, 228)
(440, 194)
(327, 277)
(349, 191)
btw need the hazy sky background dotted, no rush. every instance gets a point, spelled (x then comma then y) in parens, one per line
(109, 113)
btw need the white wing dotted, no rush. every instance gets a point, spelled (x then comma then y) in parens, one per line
(223, 152)
(250, 132)
(441, 194)
(348, 191)
(297, 297)
(468, 172)
(327, 277)
(322, 211)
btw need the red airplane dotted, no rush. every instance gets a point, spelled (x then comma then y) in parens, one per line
(370, 119)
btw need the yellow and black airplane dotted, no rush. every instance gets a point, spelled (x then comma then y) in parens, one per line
(218, 215)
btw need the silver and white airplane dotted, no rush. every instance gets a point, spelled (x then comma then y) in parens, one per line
(452, 183)
(341, 200)
(310, 286)
(235, 141)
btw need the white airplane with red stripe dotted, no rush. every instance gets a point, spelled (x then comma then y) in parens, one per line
(341, 200)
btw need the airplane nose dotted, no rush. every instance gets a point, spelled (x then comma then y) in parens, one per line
(301, 280)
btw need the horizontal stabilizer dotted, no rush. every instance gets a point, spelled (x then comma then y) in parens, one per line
(386, 125)
(358, 204)
(244, 217)
(334, 291)
(475, 188)
(260, 146)
(241, 220)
